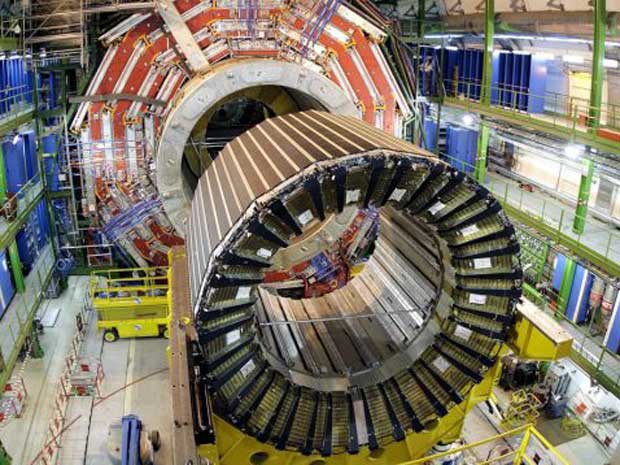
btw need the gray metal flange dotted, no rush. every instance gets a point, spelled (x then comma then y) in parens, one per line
(205, 91)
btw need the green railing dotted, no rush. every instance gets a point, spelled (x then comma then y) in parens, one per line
(562, 114)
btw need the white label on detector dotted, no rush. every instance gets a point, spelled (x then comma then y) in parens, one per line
(436, 208)
(233, 336)
(480, 263)
(244, 292)
(479, 299)
(462, 332)
(305, 217)
(353, 196)
(469, 230)
(398, 194)
(441, 364)
(264, 253)
(247, 368)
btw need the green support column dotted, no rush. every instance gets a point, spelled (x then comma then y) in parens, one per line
(480, 171)
(421, 20)
(16, 264)
(566, 286)
(598, 55)
(3, 184)
(487, 61)
(583, 196)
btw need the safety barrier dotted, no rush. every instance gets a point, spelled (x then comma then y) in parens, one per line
(13, 399)
(64, 391)
(523, 445)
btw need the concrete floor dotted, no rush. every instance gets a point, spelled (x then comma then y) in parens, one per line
(139, 364)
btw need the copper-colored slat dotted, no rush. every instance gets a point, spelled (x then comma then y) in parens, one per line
(183, 442)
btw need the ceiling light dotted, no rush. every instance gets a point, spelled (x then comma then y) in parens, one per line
(576, 59)
(573, 151)
(609, 63)
(43, 53)
(544, 55)
(468, 119)
(16, 139)
(451, 47)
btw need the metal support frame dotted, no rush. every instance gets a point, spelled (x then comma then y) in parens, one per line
(598, 55)
(487, 66)
(583, 196)
(480, 170)
(16, 265)
(421, 20)
(566, 286)
(196, 59)
(3, 185)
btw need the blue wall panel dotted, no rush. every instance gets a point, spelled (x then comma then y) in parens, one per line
(537, 85)
(613, 331)
(44, 224)
(461, 147)
(49, 144)
(578, 302)
(558, 272)
(15, 164)
(32, 160)
(7, 291)
(430, 134)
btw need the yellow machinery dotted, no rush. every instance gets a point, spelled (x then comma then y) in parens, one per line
(130, 302)
(534, 330)
(524, 408)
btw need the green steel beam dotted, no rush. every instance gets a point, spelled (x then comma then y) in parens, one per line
(16, 265)
(583, 197)
(566, 286)
(421, 19)
(9, 43)
(598, 55)
(3, 183)
(487, 60)
(480, 170)
(9, 234)
(13, 123)
(524, 120)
